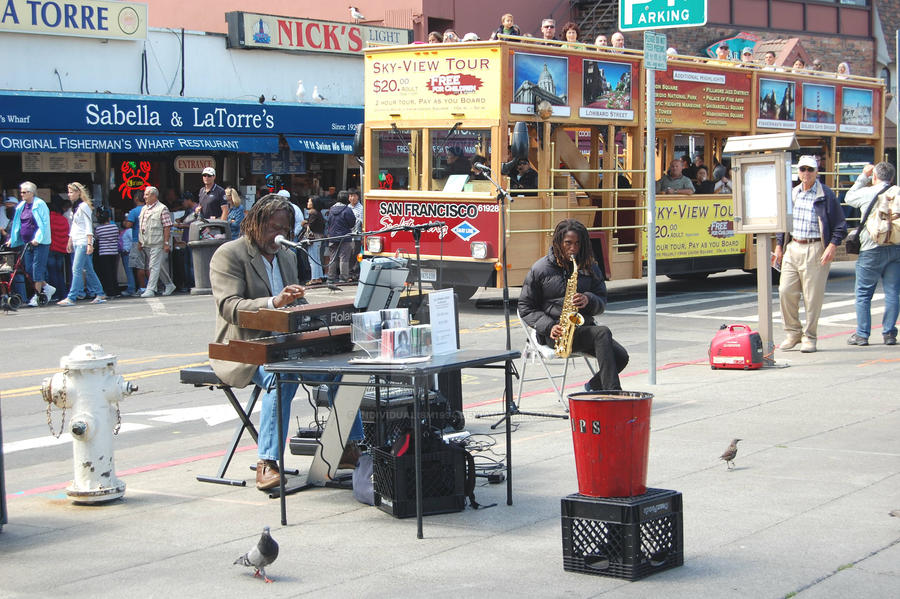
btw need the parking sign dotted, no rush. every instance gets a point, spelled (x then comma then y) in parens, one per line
(635, 15)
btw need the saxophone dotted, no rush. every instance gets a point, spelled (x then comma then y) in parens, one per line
(569, 318)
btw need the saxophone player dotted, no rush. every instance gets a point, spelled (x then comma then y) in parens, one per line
(544, 295)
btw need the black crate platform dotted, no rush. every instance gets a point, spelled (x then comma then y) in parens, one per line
(443, 482)
(623, 537)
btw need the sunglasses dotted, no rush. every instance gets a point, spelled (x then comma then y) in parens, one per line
(208, 175)
(806, 169)
(549, 26)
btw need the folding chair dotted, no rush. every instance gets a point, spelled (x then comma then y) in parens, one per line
(534, 350)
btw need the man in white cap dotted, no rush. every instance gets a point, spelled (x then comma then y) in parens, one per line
(818, 228)
(212, 197)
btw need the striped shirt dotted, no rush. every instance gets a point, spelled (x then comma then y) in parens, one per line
(805, 221)
(107, 239)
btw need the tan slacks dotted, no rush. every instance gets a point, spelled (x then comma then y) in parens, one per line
(802, 276)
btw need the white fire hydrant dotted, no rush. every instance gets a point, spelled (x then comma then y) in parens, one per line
(89, 387)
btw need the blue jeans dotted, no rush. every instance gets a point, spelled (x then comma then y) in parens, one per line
(882, 262)
(267, 440)
(315, 260)
(56, 273)
(36, 261)
(83, 271)
(129, 274)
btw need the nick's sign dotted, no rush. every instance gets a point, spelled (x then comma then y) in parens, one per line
(251, 30)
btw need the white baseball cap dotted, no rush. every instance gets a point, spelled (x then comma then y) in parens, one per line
(808, 161)
(209, 171)
(284, 193)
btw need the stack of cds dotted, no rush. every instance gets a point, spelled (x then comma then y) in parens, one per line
(388, 335)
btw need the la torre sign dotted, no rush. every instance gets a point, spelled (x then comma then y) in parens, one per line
(636, 15)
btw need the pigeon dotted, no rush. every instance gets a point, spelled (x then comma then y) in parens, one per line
(730, 454)
(262, 555)
(316, 95)
(333, 287)
(301, 91)
(356, 15)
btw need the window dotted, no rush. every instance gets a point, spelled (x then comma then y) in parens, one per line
(454, 152)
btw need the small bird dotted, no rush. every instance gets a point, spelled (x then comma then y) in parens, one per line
(356, 15)
(262, 98)
(265, 552)
(333, 287)
(316, 95)
(730, 454)
(301, 91)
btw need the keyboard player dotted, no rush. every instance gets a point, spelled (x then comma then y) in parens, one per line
(250, 273)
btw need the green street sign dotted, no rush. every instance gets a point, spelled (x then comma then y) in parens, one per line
(635, 15)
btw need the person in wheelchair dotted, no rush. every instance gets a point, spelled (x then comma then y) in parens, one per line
(543, 294)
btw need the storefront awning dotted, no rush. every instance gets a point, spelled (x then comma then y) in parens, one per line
(23, 141)
(324, 145)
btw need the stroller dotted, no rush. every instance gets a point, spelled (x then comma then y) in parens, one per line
(10, 266)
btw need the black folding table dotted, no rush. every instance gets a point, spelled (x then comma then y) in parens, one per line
(419, 373)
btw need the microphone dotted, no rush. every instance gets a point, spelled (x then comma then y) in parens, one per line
(280, 240)
(482, 168)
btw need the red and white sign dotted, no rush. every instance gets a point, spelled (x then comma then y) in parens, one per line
(252, 30)
(193, 164)
(464, 222)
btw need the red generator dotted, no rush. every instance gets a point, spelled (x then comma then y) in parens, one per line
(735, 346)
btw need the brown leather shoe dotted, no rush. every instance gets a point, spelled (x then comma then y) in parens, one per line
(266, 474)
(350, 457)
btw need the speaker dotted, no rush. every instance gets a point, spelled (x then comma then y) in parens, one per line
(518, 143)
(359, 143)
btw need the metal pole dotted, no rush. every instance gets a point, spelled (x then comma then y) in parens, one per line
(651, 225)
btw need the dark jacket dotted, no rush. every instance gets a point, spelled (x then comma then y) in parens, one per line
(315, 220)
(527, 180)
(341, 221)
(832, 224)
(541, 299)
(499, 31)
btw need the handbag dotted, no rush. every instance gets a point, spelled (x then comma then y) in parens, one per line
(852, 241)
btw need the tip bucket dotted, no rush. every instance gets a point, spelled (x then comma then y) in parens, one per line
(611, 433)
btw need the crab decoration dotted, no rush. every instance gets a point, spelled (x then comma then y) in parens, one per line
(134, 177)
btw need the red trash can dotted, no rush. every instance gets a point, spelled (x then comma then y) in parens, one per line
(611, 433)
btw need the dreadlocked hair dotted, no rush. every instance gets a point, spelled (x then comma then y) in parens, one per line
(263, 210)
(584, 257)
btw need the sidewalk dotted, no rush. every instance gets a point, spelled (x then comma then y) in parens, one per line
(805, 510)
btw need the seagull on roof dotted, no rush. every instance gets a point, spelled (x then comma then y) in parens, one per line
(316, 95)
(301, 91)
(356, 15)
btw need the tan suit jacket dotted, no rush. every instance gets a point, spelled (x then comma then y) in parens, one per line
(239, 282)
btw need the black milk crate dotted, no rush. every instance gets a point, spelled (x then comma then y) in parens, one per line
(443, 482)
(397, 415)
(623, 537)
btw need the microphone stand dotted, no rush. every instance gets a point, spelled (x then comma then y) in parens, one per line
(511, 409)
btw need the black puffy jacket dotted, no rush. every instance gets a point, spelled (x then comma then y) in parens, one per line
(541, 299)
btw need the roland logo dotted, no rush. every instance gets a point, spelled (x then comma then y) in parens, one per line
(655, 509)
(583, 426)
(340, 316)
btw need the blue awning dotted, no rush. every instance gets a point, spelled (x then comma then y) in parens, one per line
(134, 142)
(323, 145)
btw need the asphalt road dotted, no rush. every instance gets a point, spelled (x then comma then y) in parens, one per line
(165, 420)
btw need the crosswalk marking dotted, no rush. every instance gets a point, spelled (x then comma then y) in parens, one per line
(735, 307)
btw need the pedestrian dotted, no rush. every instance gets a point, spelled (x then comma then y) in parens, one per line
(341, 221)
(235, 211)
(875, 261)
(31, 228)
(106, 259)
(357, 208)
(81, 246)
(137, 260)
(817, 230)
(59, 254)
(211, 197)
(155, 240)
(316, 225)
